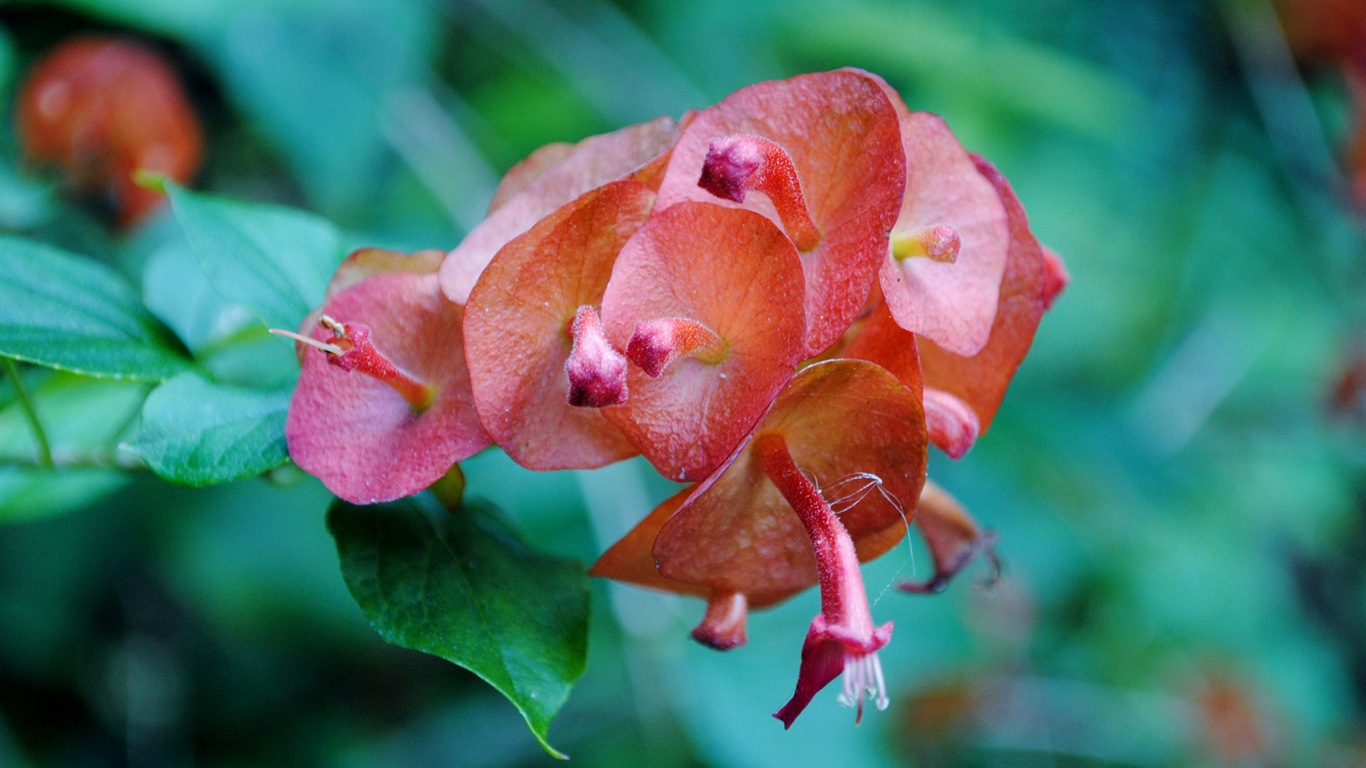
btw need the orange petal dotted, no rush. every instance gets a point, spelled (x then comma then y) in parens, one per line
(734, 272)
(517, 329)
(1027, 285)
(950, 302)
(543, 186)
(839, 418)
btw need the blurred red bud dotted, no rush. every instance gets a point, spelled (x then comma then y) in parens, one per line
(100, 110)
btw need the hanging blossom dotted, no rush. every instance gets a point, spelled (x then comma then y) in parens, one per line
(781, 300)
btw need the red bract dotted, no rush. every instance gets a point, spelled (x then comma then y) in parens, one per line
(825, 151)
(953, 537)
(733, 279)
(952, 425)
(843, 434)
(1029, 284)
(102, 109)
(386, 410)
(519, 330)
(549, 179)
(949, 243)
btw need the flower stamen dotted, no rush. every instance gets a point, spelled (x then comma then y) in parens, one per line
(352, 350)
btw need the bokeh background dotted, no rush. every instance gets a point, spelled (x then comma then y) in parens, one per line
(1178, 475)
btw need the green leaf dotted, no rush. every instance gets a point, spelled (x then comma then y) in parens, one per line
(274, 261)
(198, 432)
(176, 290)
(65, 311)
(465, 587)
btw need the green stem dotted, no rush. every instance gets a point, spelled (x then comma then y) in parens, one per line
(26, 405)
(81, 458)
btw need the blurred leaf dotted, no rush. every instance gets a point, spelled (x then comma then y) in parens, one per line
(465, 587)
(83, 419)
(300, 74)
(274, 261)
(28, 494)
(965, 58)
(25, 202)
(229, 342)
(178, 292)
(64, 311)
(197, 432)
(78, 413)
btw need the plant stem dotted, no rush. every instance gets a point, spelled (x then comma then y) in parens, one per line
(26, 405)
(81, 458)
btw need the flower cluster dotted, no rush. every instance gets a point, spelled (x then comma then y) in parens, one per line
(780, 301)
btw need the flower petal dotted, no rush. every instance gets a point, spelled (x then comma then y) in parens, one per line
(358, 435)
(543, 186)
(840, 130)
(517, 329)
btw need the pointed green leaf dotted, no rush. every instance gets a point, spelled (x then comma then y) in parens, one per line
(198, 432)
(274, 261)
(465, 587)
(64, 311)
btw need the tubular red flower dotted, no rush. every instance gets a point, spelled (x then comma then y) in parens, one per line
(842, 637)
(656, 343)
(355, 352)
(596, 371)
(736, 165)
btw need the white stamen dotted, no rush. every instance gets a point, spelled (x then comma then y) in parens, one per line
(332, 325)
(863, 677)
(331, 349)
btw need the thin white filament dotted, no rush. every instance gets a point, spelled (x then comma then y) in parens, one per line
(331, 349)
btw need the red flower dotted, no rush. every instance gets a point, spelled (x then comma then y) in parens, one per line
(825, 151)
(102, 109)
(823, 283)
(760, 529)
(383, 405)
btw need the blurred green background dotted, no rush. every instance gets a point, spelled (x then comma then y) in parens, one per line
(1181, 512)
